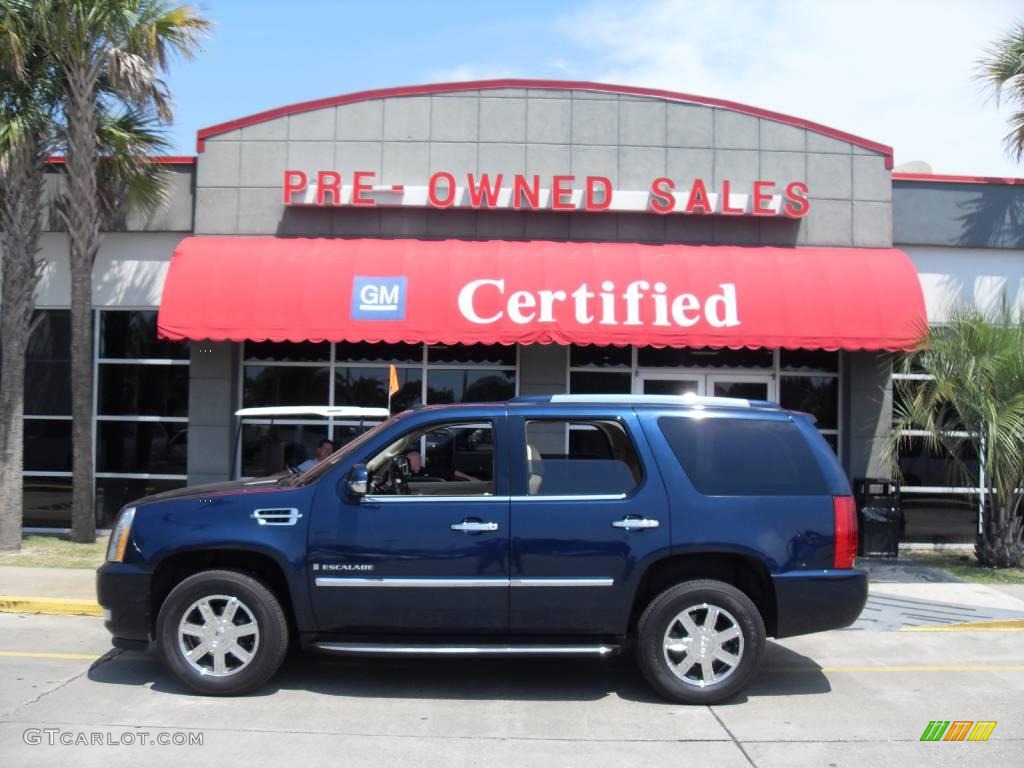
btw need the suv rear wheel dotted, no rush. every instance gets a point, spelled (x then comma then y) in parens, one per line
(222, 632)
(700, 642)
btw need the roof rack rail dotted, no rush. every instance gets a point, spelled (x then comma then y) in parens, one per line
(687, 399)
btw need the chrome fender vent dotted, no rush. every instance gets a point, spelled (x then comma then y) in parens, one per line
(289, 516)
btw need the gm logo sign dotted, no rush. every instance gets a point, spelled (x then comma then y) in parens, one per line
(378, 298)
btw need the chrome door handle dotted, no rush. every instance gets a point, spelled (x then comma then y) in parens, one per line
(635, 523)
(473, 526)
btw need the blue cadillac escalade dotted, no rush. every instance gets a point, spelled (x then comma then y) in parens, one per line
(686, 529)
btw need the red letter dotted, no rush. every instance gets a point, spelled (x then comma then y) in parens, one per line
(698, 198)
(520, 190)
(485, 191)
(590, 203)
(328, 181)
(662, 199)
(358, 187)
(797, 204)
(291, 187)
(435, 201)
(559, 190)
(726, 208)
(761, 196)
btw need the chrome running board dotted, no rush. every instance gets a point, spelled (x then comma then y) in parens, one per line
(388, 649)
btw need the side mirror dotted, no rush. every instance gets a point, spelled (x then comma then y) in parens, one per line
(358, 480)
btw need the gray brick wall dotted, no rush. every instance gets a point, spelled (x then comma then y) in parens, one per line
(174, 215)
(631, 140)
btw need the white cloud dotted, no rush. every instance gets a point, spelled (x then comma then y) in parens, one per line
(901, 73)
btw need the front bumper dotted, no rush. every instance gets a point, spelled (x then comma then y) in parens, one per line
(815, 601)
(122, 590)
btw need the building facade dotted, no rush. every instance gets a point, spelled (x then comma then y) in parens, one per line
(782, 249)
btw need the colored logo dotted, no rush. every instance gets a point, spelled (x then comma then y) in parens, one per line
(958, 730)
(378, 298)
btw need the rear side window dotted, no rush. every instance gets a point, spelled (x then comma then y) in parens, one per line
(744, 457)
(580, 458)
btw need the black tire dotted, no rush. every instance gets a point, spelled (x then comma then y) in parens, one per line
(662, 612)
(268, 647)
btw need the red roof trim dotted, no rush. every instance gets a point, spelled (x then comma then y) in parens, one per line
(559, 85)
(950, 179)
(158, 159)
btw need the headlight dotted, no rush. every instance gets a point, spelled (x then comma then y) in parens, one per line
(119, 536)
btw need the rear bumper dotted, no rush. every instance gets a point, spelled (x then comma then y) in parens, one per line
(814, 601)
(123, 592)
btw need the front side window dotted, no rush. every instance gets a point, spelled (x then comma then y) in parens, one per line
(454, 459)
(580, 458)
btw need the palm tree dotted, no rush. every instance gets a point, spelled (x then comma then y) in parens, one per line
(106, 51)
(1002, 68)
(975, 399)
(27, 107)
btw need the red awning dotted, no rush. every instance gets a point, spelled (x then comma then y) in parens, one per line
(528, 292)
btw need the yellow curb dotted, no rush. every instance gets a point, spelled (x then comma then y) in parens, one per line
(49, 605)
(1000, 625)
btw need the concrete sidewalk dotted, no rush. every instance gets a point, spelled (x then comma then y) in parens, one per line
(48, 590)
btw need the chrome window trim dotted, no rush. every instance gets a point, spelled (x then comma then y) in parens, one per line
(574, 497)
(470, 650)
(555, 582)
(362, 581)
(405, 499)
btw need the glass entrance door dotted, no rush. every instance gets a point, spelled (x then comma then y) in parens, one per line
(750, 386)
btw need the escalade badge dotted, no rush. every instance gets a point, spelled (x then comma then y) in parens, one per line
(342, 567)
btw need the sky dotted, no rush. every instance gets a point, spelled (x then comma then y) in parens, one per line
(900, 72)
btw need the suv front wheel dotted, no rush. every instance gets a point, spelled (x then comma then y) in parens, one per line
(700, 642)
(222, 632)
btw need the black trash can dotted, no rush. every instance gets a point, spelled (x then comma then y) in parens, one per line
(879, 517)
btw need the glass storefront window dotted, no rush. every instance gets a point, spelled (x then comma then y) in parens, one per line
(922, 465)
(142, 390)
(650, 357)
(469, 386)
(288, 352)
(48, 364)
(940, 518)
(266, 385)
(600, 383)
(471, 354)
(268, 448)
(142, 447)
(113, 493)
(132, 334)
(382, 354)
(816, 395)
(47, 445)
(46, 502)
(592, 356)
(806, 360)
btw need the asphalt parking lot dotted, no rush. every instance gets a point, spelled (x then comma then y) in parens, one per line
(845, 698)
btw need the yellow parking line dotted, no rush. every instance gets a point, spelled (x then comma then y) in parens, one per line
(42, 655)
(999, 625)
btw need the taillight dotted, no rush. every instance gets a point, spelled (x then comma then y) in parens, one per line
(844, 510)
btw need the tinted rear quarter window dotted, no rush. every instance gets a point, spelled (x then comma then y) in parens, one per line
(744, 457)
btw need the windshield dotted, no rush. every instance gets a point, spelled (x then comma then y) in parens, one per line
(314, 473)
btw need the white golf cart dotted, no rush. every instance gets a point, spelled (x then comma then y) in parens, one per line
(277, 439)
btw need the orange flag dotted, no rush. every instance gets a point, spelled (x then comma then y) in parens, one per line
(392, 381)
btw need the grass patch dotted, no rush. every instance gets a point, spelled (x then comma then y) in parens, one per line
(965, 566)
(56, 552)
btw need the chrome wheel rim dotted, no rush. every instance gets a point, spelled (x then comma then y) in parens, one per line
(218, 635)
(703, 645)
